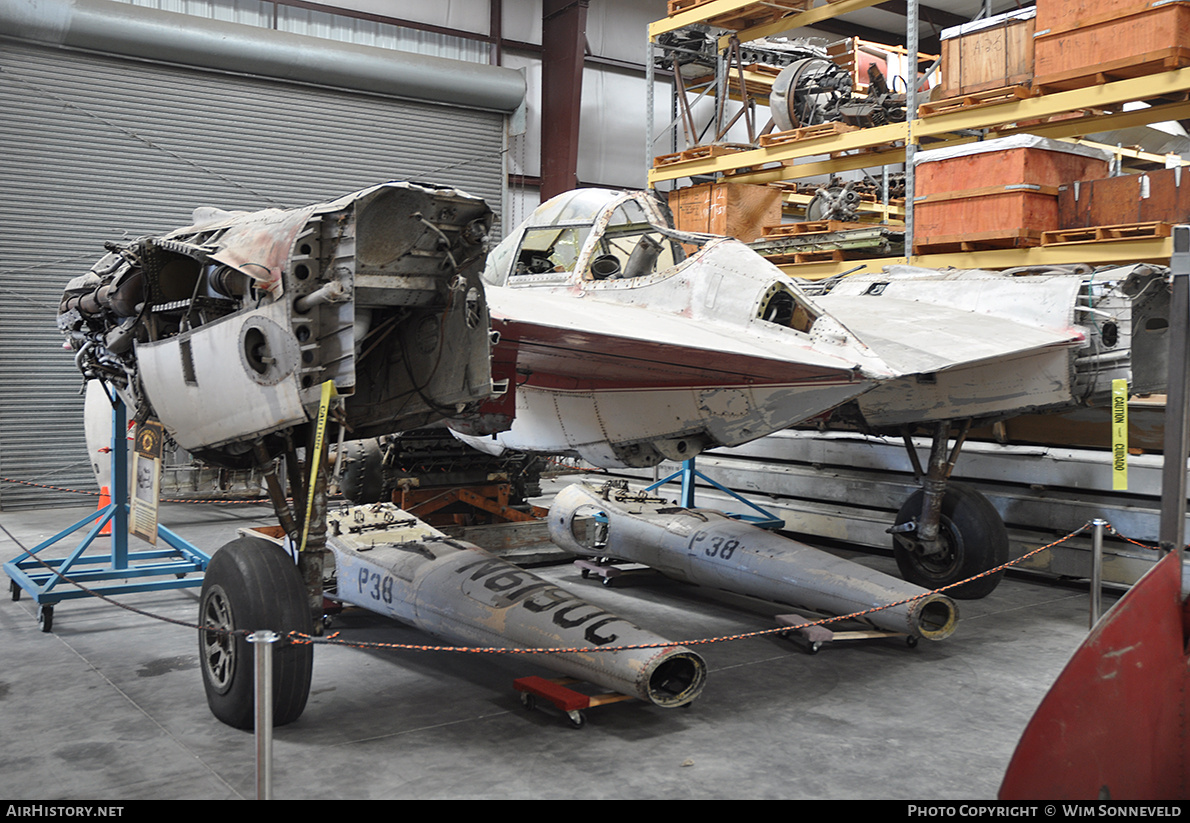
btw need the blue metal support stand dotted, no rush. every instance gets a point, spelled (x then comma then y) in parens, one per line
(688, 475)
(122, 572)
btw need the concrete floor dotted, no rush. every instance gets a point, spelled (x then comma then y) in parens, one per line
(110, 705)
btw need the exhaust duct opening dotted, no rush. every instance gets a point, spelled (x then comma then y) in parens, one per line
(937, 618)
(677, 680)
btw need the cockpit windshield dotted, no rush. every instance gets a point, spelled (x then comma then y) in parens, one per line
(598, 233)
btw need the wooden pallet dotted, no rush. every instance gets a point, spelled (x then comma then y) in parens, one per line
(696, 153)
(1123, 69)
(991, 97)
(753, 14)
(793, 258)
(780, 138)
(811, 227)
(874, 149)
(1106, 234)
(983, 241)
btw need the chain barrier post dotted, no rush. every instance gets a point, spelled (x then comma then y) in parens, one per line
(1096, 570)
(263, 653)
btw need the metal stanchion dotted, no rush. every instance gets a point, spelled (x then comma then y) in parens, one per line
(1096, 569)
(263, 648)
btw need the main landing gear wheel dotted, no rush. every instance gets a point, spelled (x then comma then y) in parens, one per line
(974, 540)
(252, 585)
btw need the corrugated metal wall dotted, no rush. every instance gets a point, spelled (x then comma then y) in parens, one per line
(102, 148)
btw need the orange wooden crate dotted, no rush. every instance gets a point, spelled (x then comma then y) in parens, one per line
(1000, 190)
(739, 210)
(1143, 42)
(1064, 15)
(1008, 218)
(1031, 165)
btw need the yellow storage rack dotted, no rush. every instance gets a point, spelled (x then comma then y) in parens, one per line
(1099, 107)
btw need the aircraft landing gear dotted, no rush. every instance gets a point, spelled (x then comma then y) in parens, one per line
(251, 585)
(948, 532)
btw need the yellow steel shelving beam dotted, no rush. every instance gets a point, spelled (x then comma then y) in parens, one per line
(700, 14)
(1147, 250)
(837, 8)
(863, 138)
(1152, 86)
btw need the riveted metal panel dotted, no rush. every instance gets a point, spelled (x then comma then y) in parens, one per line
(99, 148)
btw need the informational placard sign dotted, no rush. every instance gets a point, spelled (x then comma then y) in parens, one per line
(146, 474)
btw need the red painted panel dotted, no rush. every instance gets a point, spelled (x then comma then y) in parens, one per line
(1113, 724)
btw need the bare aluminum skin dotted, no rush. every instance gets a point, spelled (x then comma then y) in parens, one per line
(710, 548)
(391, 563)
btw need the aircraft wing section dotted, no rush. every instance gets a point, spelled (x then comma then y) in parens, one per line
(955, 363)
(586, 343)
(915, 337)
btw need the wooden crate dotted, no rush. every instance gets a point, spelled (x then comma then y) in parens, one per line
(996, 54)
(1000, 193)
(1157, 196)
(739, 210)
(1128, 45)
(1007, 162)
(983, 218)
(1064, 15)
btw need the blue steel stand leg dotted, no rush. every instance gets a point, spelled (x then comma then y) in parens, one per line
(154, 569)
(689, 475)
(688, 479)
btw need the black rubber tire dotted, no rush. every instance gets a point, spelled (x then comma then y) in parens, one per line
(362, 478)
(976, 537)
(252, 584)
(45, 618)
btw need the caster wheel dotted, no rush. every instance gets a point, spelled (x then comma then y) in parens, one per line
(528, 701)
(45, 618)
(14, 589)
(814, 647)
(607, 581)
(586, 573)
(577, 719)
(911, 642)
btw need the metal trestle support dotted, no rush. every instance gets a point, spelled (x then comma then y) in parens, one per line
(122, 571)
(690, 475)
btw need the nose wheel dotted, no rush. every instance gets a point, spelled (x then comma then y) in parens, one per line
(947, 532)
(971, 540)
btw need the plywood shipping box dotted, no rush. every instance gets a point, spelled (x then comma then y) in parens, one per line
(987, 54)
(739, 210)
(1092, 41)
(1157, 196)
(999, 193)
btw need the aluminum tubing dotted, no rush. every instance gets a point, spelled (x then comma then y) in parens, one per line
(467, 596)
(709, 548)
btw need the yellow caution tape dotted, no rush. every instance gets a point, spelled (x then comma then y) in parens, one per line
(324, 406)
(1119, 434)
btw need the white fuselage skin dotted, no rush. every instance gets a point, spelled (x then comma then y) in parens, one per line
(665, 363)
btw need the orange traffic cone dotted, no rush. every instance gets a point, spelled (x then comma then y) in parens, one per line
(105, 500)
